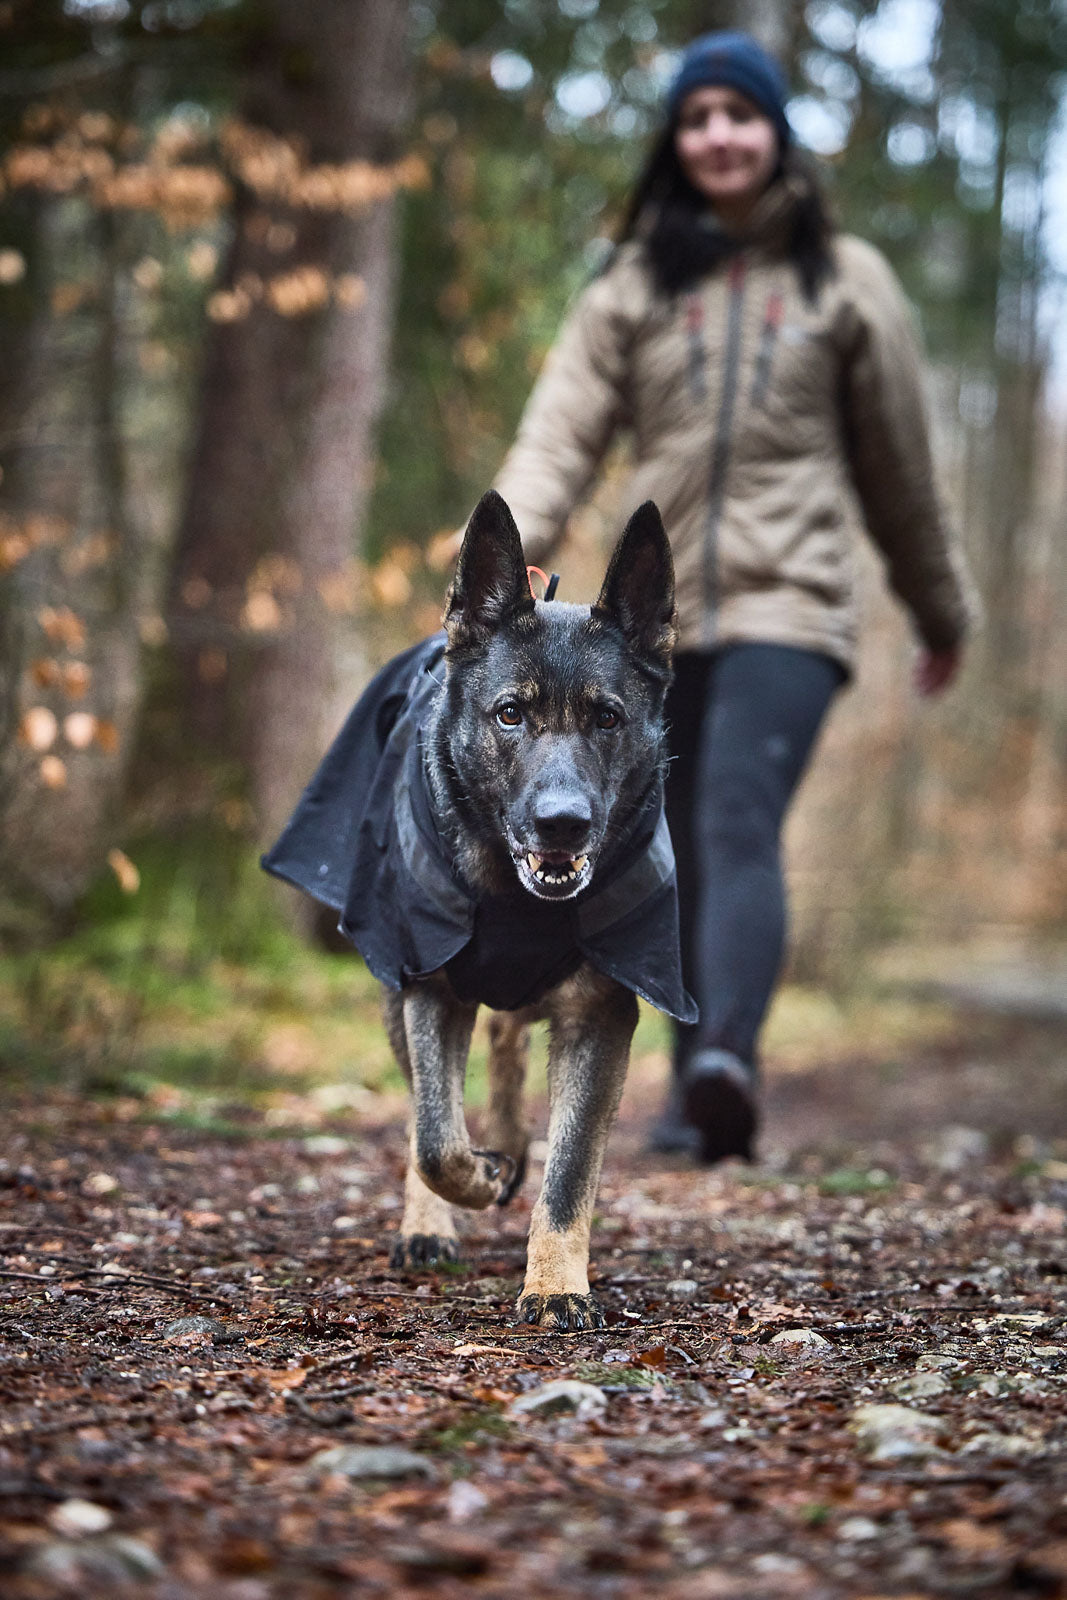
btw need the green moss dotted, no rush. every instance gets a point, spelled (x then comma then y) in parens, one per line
(815, 1513)
(620, 1376)
(854, 1180)
(483, 1422)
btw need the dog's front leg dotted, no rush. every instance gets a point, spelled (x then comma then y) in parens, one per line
(591, 1020)
(427, 1232)
(437, 1031)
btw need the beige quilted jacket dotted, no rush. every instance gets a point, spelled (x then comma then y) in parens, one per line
(767, 430)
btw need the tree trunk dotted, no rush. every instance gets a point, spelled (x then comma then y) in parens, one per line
(283, 457)
(775, 23)
(73, 600)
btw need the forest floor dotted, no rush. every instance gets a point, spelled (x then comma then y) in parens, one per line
(840, 1372)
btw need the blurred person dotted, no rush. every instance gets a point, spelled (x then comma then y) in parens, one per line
(767, 370)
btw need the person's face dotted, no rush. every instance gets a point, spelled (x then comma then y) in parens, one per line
(726, 146)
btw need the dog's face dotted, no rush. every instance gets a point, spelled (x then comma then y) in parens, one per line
(553, 714)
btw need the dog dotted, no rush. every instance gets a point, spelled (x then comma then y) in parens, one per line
(490, 825)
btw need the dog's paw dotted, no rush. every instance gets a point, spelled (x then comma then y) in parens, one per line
(562, 1313)
(423, 1250)
(471, 1178)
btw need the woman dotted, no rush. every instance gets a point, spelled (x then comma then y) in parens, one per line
(768, 372)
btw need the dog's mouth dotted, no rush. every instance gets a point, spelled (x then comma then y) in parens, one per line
(552, 874)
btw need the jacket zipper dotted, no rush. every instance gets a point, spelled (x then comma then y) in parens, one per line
(772, 322)
(720, 453)
(694, 328)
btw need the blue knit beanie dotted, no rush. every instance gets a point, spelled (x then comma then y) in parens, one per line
(735, 61)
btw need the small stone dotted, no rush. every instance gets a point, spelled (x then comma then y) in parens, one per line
(107, 1563)
(265, 1191)
(193, 1327)
(351, 1173)
(326, 1144)
(369, 1461)
(855, 1530)
(895, 1433)
(683, 1288)
(564, 1394)
(99, 1184)
(307, 1183)
(776, 1566)
(921, 1386)
(1013, 1446)
(330, 1097)
(76, 1518)
(464, 1501)
(806, 1336)
(715, 1418)
(958, 1147)
(345, 1224)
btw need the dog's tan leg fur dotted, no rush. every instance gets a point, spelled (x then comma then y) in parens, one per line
(592, 1020)
(506, 1129)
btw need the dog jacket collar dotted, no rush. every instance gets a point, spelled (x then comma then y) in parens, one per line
(363, 839)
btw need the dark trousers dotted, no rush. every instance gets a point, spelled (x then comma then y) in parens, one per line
(742, 722)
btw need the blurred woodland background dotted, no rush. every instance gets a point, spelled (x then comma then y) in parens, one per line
(275, 279)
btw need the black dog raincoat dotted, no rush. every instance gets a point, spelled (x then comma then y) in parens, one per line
(364, 840)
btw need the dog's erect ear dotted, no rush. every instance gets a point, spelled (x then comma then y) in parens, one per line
(638, 592)
(490, 585)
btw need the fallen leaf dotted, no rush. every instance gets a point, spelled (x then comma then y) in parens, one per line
(974, 1539)
(53, 773)
(656, 1357)
(202, 1219)
(129, 879)
(79, 729)
(289, 1379)
(38, 728)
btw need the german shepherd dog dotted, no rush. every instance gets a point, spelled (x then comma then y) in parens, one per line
(548, 733)
(509, 849)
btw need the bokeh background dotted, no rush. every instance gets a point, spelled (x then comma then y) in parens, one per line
(275, 279)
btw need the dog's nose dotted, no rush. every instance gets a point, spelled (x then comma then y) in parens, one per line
(562, 820)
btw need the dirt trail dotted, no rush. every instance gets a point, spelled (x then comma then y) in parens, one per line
(906, 1231)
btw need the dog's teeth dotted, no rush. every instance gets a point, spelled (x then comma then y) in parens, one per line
(554, 872)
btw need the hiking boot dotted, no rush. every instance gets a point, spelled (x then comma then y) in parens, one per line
(671, 1134)
(718, 1102)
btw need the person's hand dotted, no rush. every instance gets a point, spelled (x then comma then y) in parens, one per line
(443, 550)
(935, 669)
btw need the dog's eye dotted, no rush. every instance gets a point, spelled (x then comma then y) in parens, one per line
(607, 718)
(509, 716)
